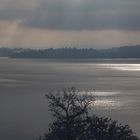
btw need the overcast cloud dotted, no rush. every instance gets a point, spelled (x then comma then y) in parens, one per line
(70, 16)
(74, 14)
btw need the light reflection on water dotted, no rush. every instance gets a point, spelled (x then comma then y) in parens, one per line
(7, 82)
(23, 84)
(2, 80)
(112, 104)
(105, 99)
(98, 93)
(122, 67)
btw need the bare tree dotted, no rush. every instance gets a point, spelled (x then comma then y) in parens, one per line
(72, 121)
(68, 107)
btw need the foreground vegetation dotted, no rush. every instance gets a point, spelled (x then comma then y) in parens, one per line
(73, 122)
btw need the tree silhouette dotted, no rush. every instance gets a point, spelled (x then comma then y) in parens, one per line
(67, 107)
(72, 121)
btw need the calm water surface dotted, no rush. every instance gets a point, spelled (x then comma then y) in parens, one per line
(23, 83)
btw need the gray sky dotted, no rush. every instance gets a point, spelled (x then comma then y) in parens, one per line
(65, 23)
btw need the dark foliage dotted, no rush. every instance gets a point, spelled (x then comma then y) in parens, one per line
(72, 122)
(75, 53)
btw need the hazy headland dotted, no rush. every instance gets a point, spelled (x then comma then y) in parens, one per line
(72, 53)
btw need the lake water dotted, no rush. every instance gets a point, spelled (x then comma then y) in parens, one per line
(23, 84)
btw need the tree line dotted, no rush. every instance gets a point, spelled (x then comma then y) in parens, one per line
(72, 53)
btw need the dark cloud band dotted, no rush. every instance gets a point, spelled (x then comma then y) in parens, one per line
(79, 14)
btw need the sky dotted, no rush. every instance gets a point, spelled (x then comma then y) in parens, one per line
(69, 23)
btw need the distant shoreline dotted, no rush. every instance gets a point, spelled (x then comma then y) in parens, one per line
(4, 57)
(126, 52)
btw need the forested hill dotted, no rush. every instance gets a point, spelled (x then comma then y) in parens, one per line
(122, 52)
(62, 53)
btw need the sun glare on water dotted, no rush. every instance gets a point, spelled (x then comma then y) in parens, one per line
(122, 67)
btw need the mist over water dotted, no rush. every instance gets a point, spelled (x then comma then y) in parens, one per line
(24, 83)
